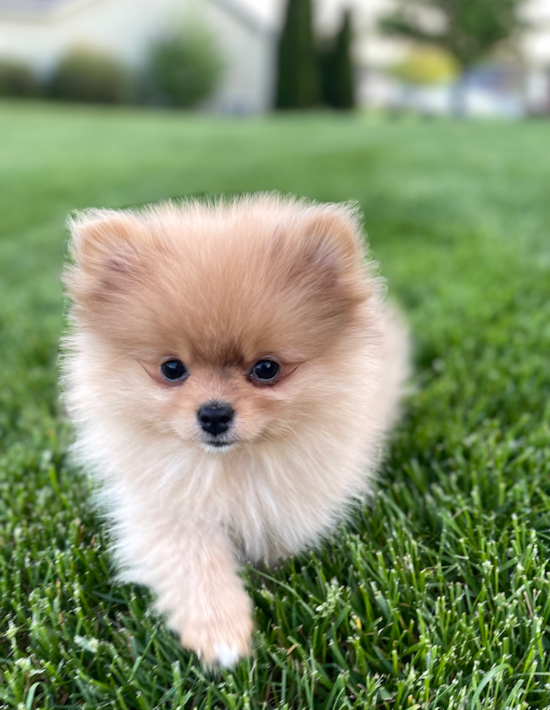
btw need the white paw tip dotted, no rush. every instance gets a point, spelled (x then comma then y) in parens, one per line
(226, 655)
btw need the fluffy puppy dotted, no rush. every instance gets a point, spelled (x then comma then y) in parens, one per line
(231, 371)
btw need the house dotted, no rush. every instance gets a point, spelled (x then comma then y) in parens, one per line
(39, 32)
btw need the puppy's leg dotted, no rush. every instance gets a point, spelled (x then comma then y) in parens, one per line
(192, 568)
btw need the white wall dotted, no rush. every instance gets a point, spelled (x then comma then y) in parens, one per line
(250, 53)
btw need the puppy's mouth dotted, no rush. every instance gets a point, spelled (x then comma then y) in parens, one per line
(217, 445)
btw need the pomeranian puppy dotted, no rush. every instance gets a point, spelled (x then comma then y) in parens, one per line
(232, 372)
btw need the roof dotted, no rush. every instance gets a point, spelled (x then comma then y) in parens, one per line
(44, 8)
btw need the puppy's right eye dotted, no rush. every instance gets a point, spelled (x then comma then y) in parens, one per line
(173, 370)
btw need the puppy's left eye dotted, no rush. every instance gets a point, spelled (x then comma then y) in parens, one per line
(265, 370)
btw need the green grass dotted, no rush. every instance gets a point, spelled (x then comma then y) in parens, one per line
(438, 596)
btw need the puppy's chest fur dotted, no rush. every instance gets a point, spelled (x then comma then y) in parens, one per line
(272, 502)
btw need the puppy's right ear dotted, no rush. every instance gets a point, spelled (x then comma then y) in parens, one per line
(106, 248)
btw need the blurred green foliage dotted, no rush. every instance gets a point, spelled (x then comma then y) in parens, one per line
(18, 80)
(469, 30)
(314, 71)
(183, 69)
(186, 67)
(337, 70)
(90, 75)
(437, 593)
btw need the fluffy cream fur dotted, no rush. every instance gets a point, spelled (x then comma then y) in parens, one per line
(220, 286)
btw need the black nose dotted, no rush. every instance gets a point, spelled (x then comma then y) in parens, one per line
(215, 417)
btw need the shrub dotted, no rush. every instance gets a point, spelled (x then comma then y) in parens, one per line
(17, 80)
(426, 66)
(89, 75)
(186, 67)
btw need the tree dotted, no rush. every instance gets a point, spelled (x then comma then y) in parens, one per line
(337, 68)
(469, 30)
(298, 82)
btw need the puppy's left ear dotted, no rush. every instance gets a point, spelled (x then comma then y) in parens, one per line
(333, 246)
(322, 263)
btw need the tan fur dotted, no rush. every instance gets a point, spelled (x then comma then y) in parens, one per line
(219, 286)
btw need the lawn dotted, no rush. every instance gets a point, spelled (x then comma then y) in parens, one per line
(438, 594)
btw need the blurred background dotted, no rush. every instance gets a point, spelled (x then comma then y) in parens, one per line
(433, 57)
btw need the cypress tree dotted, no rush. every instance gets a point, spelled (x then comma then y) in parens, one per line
(337, 65)
(298, 81)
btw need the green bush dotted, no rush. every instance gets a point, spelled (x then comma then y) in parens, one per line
(17, 80)
(185, 67)
(89, 75)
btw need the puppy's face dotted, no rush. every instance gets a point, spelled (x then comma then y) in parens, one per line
(222, 326)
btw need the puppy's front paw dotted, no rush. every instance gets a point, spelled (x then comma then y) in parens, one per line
(220, 637)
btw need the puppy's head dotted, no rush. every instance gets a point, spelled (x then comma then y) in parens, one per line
(222, 325)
